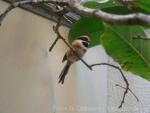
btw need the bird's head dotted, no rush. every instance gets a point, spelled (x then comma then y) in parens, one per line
(84, 39)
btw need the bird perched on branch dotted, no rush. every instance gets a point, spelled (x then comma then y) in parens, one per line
(79, 46)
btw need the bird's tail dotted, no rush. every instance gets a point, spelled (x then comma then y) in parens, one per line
(64, 73)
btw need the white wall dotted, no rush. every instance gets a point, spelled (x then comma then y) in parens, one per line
(28, 72)
(92, 85)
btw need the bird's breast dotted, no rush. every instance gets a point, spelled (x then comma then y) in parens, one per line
(74, 55)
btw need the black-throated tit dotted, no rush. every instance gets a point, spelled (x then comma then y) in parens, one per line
(79, 46)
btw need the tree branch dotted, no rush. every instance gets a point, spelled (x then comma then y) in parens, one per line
(20, 3)
(56, 29)
(135, 18)
(130, 91)
(12, 6)
(75, 6)
(124, 78)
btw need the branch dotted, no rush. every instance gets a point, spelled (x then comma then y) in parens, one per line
(130, 91)
(33, 2)
(12, 6)
(135, 18)
(124, 78)
(75, 6)
(56, 29)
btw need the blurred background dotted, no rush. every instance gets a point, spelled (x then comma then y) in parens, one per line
(29, 72)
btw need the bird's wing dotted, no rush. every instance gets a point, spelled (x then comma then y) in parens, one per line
(65, 57)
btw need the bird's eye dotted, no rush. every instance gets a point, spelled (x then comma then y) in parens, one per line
(86, 44)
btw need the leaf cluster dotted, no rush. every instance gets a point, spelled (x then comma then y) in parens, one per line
(118, 40)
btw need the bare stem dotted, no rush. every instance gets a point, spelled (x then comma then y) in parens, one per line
(130, 91)
(54, 43)
(124, 78)
(12, 6)
(76, 7)
(59, 36)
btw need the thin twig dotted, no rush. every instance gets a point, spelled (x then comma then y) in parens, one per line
(52, 46)
(130, 91)
(124, 78)
(12, 6)
(56, 29)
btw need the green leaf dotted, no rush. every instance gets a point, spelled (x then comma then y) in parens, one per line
(117, 40)
(92, 27)
(97, 5)
(87, 26)
(131, 54)
(114, 7)
(144, 4)
(122, 10)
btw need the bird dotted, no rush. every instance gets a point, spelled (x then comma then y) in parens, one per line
(79, 46)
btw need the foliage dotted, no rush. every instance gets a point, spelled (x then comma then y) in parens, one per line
(87, 26)
(117, 40)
